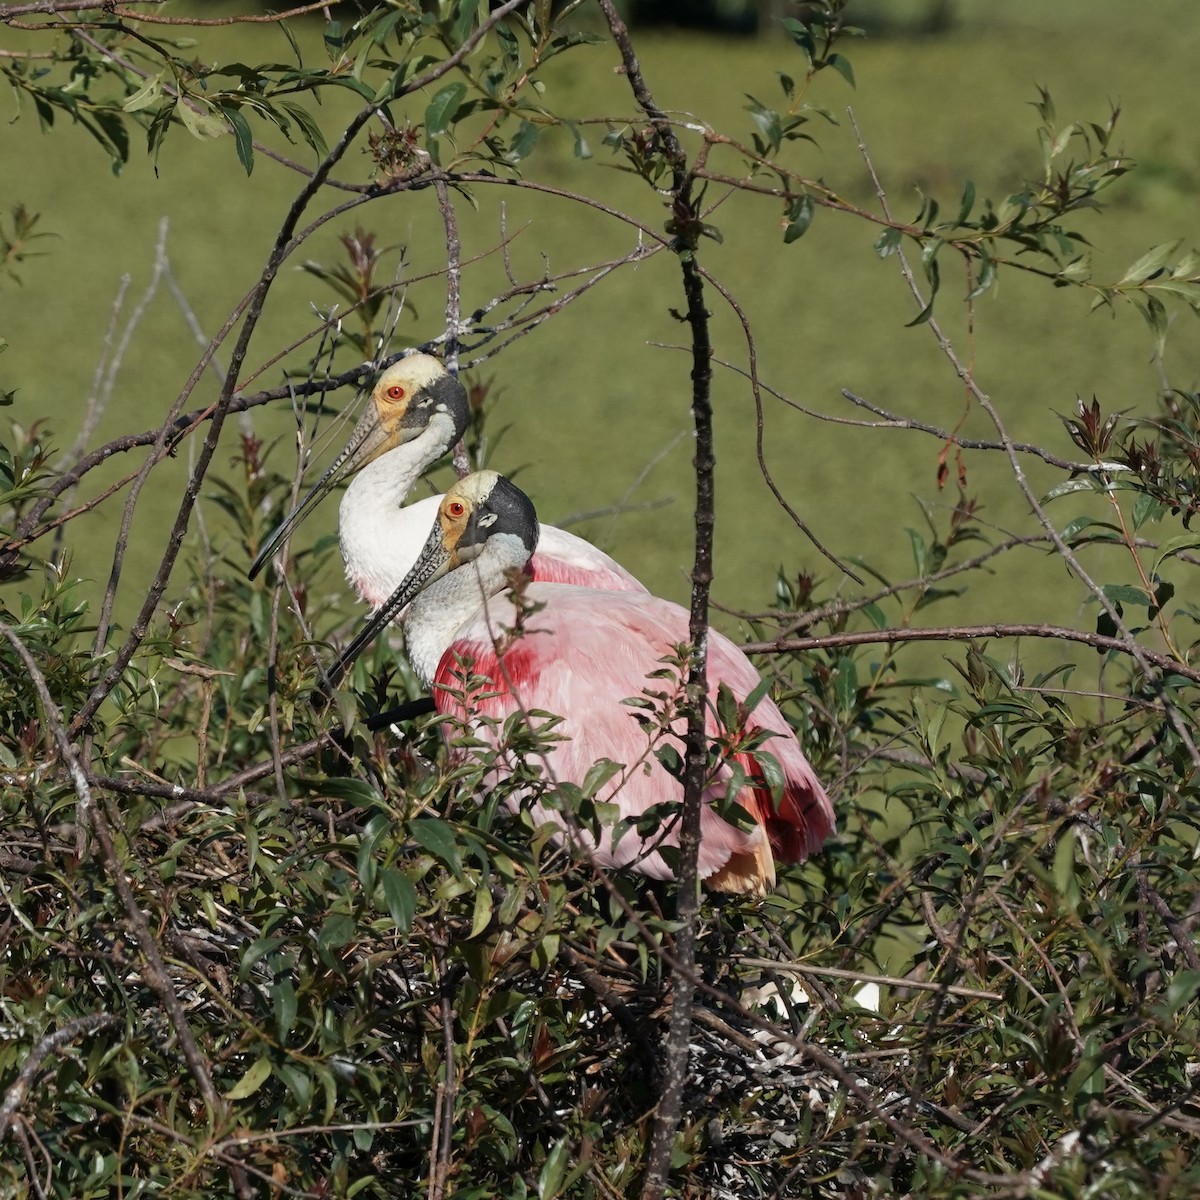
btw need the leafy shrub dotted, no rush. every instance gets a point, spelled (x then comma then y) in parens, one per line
(256, 946)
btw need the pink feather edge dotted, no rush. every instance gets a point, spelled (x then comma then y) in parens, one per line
(580, 656)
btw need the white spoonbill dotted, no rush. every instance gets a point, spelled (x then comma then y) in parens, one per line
(581, 653)
(415, 413)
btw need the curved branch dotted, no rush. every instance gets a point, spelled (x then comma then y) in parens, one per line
(966, 375)
(88, 812)
(19, 1088)
(968, 633)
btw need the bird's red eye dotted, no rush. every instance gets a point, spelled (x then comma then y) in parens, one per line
(456, 508)
(395, 392)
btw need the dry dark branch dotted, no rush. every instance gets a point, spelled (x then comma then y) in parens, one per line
(51, 1043)
(967, 633)
(685, 218)
(155, 966)
(283, 245)
(966, 375)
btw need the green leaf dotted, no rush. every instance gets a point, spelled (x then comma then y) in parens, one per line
(500, 1004)
(841, 64)
(800, 214)
(1163, 592)
(752, 698)
(1154, 312)
(283, 1000)
(582, 149)
(243, 138)
(482, 915)
(987, 276)
(113, 126)
(727, 707)
(768, 122)
(926, 312)
(334, 38)
(1123, 593)
(546, 951)
(1147, 508)
(310, 130)
(1173, 546)
(1086, 1081)
(846, 683)
(1078, 270)
(1106, 626)
(258, 1073)
(671, 759)
(509, 46)
(1074, 528)
(522, 145)
(598, 775)
(255, 952)
(1064, 863)
(146, 96)
(1182, 989)
(443, 107)
(438, 838)
(875, 615)
(770, 769)
(400, 897)
(967, 203)
(1085, 483)
(353, 791)
(336, 931)
(462, 26)
(286, 30)
(933, 730)
(297, 1081)
(201, 125)
(551, 1177)
(919, 551)
(1150, 262)
(888, 242)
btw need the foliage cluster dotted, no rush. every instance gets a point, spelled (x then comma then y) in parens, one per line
(250, 948)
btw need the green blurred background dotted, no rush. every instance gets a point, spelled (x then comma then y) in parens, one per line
(598, 415)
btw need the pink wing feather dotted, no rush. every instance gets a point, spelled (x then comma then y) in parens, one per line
(580, 656)
(562, 557)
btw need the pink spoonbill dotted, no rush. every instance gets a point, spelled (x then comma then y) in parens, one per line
(491, 649)
(414, 415)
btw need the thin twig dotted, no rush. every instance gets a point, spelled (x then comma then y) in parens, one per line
(898, 981)
(1177, 719)
(462, 463)
(95, 400)
(14, 1097)
(180, 424)
(155, 968)
(760, 433)
(118, 559)
(970, 633)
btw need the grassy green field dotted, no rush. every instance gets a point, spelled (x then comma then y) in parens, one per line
(598, 414)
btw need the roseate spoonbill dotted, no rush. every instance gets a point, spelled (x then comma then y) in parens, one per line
(415, 413)
(582, 653)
